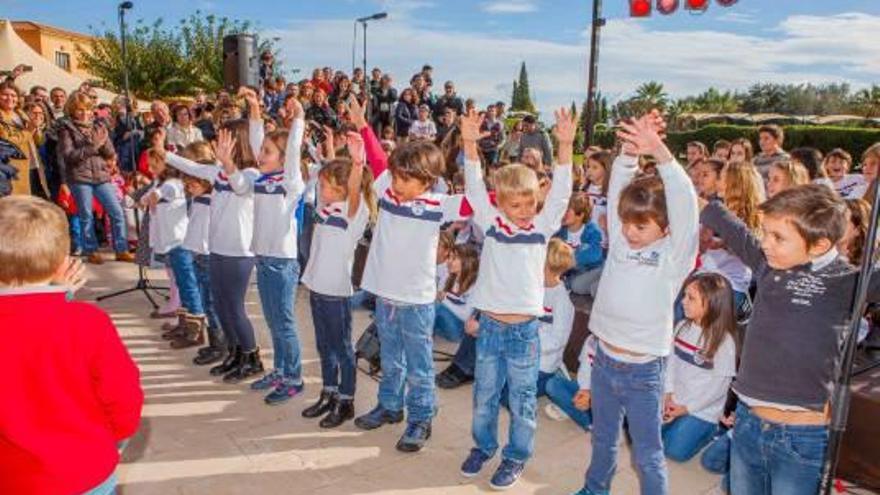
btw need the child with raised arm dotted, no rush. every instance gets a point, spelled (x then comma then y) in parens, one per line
(345, 205)
(792, 346)
(652, 246)
(231, 235)
(400, 272)
(509, 295)
(276, 190)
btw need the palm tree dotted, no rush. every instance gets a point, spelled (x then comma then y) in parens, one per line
(867, 101)
(714, 101)
(652, 94)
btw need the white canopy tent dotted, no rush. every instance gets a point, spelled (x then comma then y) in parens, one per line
(14, 51)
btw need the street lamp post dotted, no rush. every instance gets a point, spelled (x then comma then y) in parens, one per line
(364, 21)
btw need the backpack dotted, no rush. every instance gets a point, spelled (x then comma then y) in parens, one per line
(368, 348)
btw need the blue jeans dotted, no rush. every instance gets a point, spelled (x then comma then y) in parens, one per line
(331, 317)
(181, 262)
(106, 194)
(636, 391)
(506, 354)
(540, 390)
(447, 325)
(405, 331)
(277, 279)
(561, 392)
(203, 279)
(684, 437)
(76, 238)
(773, 458)
(716, 458)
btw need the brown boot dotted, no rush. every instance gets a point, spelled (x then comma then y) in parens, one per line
(171, 325)
(95, 259)
(177, 330)
(193, 333)
(125, 256)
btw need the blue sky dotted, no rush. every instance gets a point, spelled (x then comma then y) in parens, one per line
(480, 43)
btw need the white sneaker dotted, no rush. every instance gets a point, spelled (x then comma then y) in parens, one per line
(555, 413)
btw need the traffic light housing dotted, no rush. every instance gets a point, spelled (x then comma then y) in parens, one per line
(727, 3)
(639, 8)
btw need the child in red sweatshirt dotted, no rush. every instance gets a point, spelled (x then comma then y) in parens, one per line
(70, 392)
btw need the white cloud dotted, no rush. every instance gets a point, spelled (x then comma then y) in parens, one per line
(483, 65)
(510, 7)
(737, 17)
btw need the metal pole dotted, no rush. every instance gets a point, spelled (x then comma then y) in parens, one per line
(841, 396)
(597, 24)
(354, 38)
(124, 53)
(367, 101)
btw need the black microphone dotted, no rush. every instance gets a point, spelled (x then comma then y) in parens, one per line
(126, 5)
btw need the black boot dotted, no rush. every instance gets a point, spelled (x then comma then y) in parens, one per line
(250, 365)
(233, 359)
(324, 404)
(342, 411)
(213, 352)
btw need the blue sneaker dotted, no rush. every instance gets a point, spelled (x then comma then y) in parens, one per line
(506, 475)
(269, 380)
(377, 417)
(283, 393)
(474, 463)
(415, 437)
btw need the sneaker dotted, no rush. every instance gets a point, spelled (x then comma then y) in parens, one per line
(283, 393)
(125, 257)
(269, 380)
(506, 475)
(474, 463)
(94, 259)
(377, 417)
(555, 413)
(582, 491)
(414, 437)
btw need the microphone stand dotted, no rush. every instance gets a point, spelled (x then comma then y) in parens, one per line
(143, 284)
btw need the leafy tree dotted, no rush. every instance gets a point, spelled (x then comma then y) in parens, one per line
(867, 102)
(202, 43)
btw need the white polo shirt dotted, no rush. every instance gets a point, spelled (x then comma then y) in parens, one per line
(334, 241)
(170, 218)
(198, 230)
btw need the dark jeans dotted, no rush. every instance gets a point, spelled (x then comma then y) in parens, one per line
(181, 263)
(203, 278)
(304, 242)
(331, 317)
(230, 276)
(466, 355)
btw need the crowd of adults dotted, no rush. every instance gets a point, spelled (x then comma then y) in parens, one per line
(83, 153)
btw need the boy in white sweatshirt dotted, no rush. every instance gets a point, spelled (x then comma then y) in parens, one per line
(653, 239)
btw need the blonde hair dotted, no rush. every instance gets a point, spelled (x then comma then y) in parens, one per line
(200, 152)
(77, 101)
(560, 256)
(34, 240)
(795, 172)
(742, 193)
(515, 179)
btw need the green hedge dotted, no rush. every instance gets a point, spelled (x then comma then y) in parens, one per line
(825, 138)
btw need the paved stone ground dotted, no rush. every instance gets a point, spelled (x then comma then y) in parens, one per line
(200, 436)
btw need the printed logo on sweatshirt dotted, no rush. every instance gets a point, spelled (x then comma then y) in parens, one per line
(647, 258)
(805, 288)
(417, 210)
(270, 184)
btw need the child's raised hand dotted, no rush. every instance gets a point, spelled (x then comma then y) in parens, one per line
(469, 125)
(357, 113)
(355, 144)
(472, 327)
(566, 126)
(74, 275)
(582, 400)
(643, 138)
(249, 95)
(223, 150)
(296, 110)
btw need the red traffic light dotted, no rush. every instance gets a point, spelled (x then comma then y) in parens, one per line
(697, 5)
(667, 7)
(639, 8)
